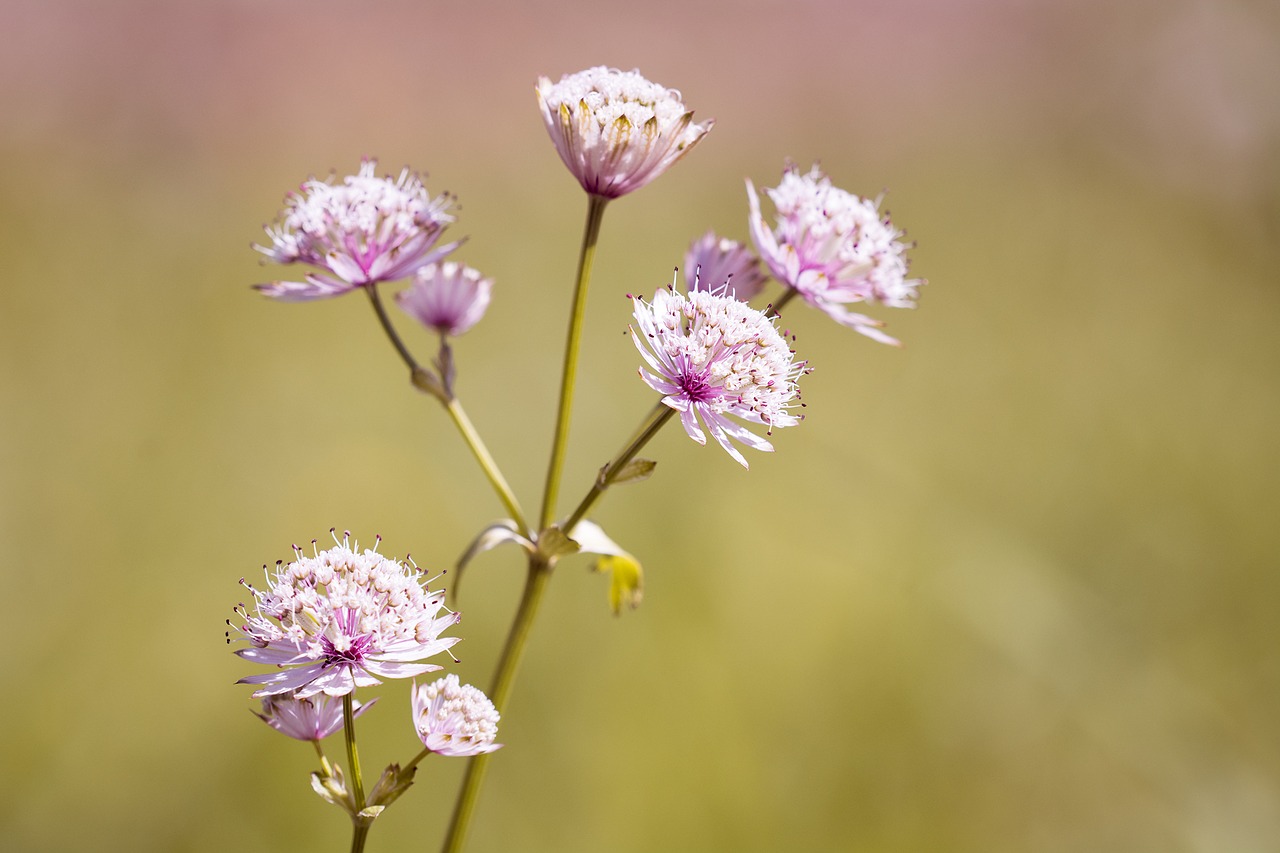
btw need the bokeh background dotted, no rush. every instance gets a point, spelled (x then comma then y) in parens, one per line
(1011, 588)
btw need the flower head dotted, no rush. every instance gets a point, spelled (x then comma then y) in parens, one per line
(447, 297)
(833, 248)
(713, 356)
(359, 232)
(306, 719)
(615, 130)
(335, 621)
(454, 719)
(712, 262)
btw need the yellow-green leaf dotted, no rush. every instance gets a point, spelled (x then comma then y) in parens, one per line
(626, 580)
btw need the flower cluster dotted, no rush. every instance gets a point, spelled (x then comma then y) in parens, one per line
(454, 719)
(360, 232)
(713, 357)
(448, 297)
(713, 262)
(335, 621)
(310, 719)
(834, 248)
(615, 130)
(342, 618)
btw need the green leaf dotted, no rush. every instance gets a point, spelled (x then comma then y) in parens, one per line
(553, 543)
(626, 580)
(492, 536)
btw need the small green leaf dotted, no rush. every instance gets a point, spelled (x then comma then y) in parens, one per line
(368, 813)
(553, 543)
(635, 471)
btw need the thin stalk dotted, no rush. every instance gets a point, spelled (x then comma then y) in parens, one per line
(775, 309)
(490, 467)
(427, 381)
(416, 760)
(353, 764)
(353, 756)
(503, 678)
(381, 311)
(590, 234)
(657, 418)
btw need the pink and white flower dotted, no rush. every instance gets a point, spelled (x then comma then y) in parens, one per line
(713, 262)
(715, 357)
(360, 232)
(447, 297)
(834, 248)
(340, 619)
(615, 130)
(454, 719)
(314, 718)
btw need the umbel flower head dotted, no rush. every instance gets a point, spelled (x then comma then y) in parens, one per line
(360, 232)
(337, 620)
(314, 718)
(715, 357)
(615, 130)
(447, 297)
(713, 262)
(454, 719)
(834, 248)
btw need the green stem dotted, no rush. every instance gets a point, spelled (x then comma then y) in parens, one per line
(590, 234)
(504, 676)
(361, 831)
(427, 381)
(381, 311)
(353, 757)
(490, 468)
(416, 760)
(535, 585)
(657, 418)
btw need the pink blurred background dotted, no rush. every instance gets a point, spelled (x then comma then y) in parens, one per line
(1011, 588)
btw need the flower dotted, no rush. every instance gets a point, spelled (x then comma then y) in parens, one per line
(714, 261)
(833, 248)
(334, 621)
(360, 232)
(448, 297)
(715, 356)
(615, 130)
(306, 719)
(454, 719)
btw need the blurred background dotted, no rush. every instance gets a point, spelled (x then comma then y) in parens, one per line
(1011, 588)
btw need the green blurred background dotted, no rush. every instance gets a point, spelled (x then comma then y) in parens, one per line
(1011, 588)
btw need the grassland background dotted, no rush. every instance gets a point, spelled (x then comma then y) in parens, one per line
(1011, 588)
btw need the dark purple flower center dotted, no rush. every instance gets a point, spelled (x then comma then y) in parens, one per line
(354, 654)
(695, 387)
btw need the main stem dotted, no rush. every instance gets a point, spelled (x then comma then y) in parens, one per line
(504, 677)
(590, 233)
(539, 566)
(353, 764)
